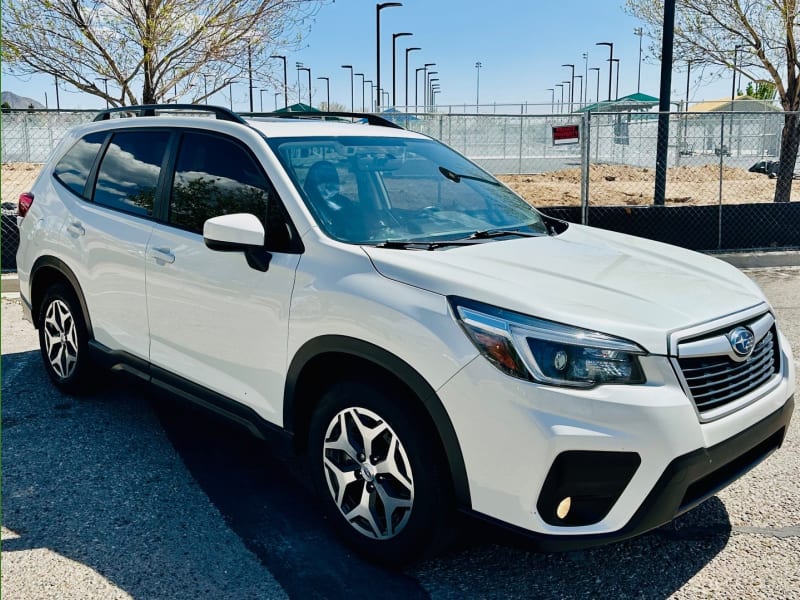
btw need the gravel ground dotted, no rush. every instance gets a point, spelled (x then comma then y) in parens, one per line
(98, 504)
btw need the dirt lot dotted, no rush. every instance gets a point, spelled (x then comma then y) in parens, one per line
(608, 185)
(618, 184)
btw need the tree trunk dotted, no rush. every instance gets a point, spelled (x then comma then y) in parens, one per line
(790, 141)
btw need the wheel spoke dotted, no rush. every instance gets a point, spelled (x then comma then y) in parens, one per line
(341, 442)
(390, 504)
(390, 466)
(343, 477)
(364, 510)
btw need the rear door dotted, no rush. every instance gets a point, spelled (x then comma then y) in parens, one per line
(214, 320)
(109, 227)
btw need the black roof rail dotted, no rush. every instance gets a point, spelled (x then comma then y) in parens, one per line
(149, 110)
(372, 119)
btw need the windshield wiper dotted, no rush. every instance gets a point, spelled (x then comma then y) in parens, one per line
(457, 177)
(491, 233)
(401, 245)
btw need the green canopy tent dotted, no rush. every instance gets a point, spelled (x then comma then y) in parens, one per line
(632, 102)
(298, 108)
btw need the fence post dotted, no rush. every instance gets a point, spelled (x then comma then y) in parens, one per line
(586, 127)
(521, 127)
(721, 165)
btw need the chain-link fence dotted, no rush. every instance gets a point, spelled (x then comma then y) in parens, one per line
(720, 173)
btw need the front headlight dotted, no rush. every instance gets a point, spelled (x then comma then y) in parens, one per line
(548, 352)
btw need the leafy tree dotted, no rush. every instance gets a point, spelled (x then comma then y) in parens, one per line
(149, 51)
(759, 36)
(763, 90)
(5, 107)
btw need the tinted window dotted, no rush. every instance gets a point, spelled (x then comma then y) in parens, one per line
(129, 172)
(215, 176)
(73, 168)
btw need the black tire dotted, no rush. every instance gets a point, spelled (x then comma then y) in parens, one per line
(63, 340)
(423, 528)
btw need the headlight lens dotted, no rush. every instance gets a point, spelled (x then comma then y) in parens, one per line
(548, 352)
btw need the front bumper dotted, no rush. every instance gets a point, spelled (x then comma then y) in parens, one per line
(650, 457)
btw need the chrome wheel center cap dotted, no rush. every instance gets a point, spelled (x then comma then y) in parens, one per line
(368, 472)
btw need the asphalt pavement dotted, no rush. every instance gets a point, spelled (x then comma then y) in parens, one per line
(128, 493)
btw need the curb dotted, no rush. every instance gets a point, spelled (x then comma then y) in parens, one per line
(9, 283)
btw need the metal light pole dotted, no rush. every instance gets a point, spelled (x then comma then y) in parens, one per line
(308, 69)
(638, 31)
(552, 99)
(561, 104)
(406, 84)
(428, 87)
(597, 93)
(250, 71)
(285, 84)
(416, 81)
(572, 85)
(610, 64)
(394, 64)
(733, 83)
(58, 103)
(261, 97)
(205, 86)
(616, 89)
(352, 101)
(371, 94)
(327, 91)
(586, 77)
(425, 81)
(230, 89)
(363, 107)
(276, 100)
(580, 93)
(378, 8)
(662, 141)
(569, 92)
(105, 85)
(478, 66)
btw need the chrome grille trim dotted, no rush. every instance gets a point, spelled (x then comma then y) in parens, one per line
(713, 378)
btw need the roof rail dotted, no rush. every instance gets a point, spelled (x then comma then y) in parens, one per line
(149, 110)
(372, 119)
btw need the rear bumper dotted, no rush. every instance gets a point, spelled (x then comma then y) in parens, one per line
(687, 481)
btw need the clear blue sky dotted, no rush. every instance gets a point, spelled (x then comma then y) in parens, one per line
(521, 45)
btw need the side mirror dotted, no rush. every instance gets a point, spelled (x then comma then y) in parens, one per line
(241, 232)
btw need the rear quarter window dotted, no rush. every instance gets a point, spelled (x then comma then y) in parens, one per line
(73, 169)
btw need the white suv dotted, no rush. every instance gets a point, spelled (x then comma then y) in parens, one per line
(428, 338)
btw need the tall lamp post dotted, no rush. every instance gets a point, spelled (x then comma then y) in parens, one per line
(308, 70)
(371, 85)
(431, 85)
(640, 32)
(580, 92)
(406, 84)
(327, 91)
(552, 99)
(610, 64)
(394, 64)
(250, 71)
(352, 101)
(363, 107)
(597, 92)
(561, 104)
(586, 77)
(572, 85)
(261, 97)
(478, 66)
(285, 83)
(569, 92)
(378, 8)
(616, 87)
(428, 87)
(416, 81)
(277, 95)
(105, 86)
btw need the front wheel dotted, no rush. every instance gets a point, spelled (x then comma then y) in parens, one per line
(379, 473)
(63, 339)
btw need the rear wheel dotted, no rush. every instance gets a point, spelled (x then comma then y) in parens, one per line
(379, 473)
(63, 339)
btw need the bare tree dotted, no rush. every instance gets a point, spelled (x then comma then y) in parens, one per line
(756, 37)
(150, 51)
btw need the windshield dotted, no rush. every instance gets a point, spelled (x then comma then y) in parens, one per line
(372, 190)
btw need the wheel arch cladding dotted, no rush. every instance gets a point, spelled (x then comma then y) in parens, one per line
(47, 271)
(311, 371)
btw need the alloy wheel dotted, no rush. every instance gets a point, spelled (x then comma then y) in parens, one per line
(61, 339)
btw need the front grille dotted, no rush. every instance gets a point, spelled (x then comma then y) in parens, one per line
(714, 381)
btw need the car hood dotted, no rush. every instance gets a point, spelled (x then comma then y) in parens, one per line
(613, 283)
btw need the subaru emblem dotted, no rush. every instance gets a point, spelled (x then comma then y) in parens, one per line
(742, 341)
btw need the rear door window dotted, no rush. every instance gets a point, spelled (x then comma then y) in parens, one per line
(74, 167)
(128, 175)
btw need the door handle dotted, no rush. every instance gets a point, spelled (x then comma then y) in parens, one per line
(162, 255)
(76, 228)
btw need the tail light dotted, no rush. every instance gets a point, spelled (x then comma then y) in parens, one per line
(25, 202)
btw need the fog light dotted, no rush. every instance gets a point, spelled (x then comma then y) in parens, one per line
(563, 508)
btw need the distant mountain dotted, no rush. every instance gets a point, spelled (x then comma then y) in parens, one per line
(15, 101)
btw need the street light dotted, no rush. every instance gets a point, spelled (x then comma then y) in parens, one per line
(371, 94)
(276, 100)
(552, 99)
(428, 86)
(363, 105)
(478, 66)
(352, 102)
(328, 91)
(586, 76)
(205, 86)
(308, 69)
(616, 89)
(733, 83)
(569, 92)
(416, 81)
(298, 66)
(230, 88)
(285, 84)
(572, 84)
(561, 104)
(406, 84)
(261, 97)
(597, 93)
(250, 70)
(394, 56)
(610, 64)
(378, 8)
(640, 32)
(580, 93)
